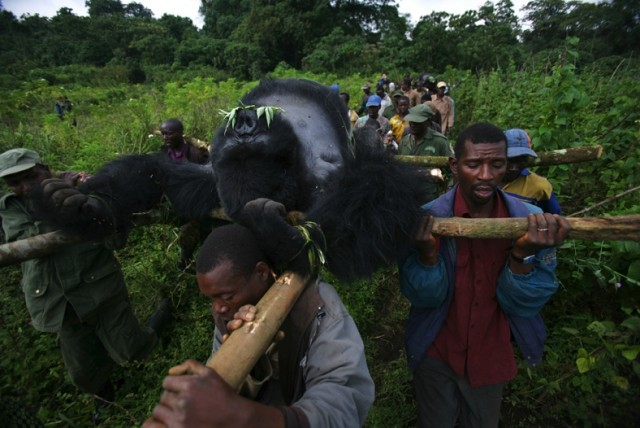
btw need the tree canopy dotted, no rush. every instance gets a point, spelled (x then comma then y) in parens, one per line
(247, 39)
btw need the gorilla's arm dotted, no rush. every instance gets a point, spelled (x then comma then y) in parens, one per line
(103, 204)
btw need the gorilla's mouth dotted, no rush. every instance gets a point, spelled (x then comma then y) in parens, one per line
(244, 146)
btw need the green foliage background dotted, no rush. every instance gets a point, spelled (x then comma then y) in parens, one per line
(591, 373)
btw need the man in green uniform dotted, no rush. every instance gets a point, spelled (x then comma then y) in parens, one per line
(78, 292)
(425, 141)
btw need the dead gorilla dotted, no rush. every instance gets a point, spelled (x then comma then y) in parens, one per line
(367, 204)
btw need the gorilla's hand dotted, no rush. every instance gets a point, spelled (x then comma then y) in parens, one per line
(264, 207)
(68, 208)
(282, 243)
(68, 200)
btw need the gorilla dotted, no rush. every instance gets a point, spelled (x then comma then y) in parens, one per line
(286, 147)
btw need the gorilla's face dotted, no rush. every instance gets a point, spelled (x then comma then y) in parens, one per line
(250, 136)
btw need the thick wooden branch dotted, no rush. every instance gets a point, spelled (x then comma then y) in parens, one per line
(622, 228)
(240, 352)
(35, 246)
(554, 157)
(48, 243)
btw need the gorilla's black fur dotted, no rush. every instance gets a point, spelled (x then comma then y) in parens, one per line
(367, 204)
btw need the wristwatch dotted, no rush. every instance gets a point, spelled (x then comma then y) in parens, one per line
(528, 260)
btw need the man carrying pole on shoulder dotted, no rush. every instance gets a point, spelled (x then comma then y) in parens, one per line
(315, 376)
(470, 296)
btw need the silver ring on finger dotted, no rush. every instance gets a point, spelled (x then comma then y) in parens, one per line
(181, 404)
(543, 229)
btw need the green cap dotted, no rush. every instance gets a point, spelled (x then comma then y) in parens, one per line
(419, 113)
(17, 160)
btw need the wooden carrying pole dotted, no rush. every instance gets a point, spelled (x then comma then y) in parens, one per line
(623, 228)
(554, 157)
(48, 243)
(242, 349)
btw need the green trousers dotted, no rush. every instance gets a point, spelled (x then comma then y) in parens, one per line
(91, 347)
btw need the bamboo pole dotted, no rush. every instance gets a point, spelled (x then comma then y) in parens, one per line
(242, 349)
(623, 228)
(554, 157)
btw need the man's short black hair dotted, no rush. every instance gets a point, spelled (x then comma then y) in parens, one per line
(173, 123)
(345, 95)
(479, 133)
(231, 242)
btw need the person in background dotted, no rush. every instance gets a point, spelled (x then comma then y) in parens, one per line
(398, 123)
(391, 110)
(59, 107)
(315, 376)
(521, 183)
(385, 100)
(442, 103)
(412, 94)
(366, 89)
(353, 116)
(374, 119)
(384, 80)
(78, 292)
(469, 297)
(425, 141)
(179, 149)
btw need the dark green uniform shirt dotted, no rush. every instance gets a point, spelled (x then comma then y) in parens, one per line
(86, 275)
(432, 144)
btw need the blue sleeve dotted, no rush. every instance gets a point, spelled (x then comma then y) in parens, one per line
(525, 295)
(424, 286)
(550, 205)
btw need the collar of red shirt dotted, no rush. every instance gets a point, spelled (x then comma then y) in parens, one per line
(461, 209)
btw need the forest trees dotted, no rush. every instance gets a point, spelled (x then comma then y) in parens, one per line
(247, 39)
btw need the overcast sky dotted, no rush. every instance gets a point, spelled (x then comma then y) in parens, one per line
(189, 8)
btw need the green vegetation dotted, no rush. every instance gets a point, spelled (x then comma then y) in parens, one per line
(566, 93)
(246, 39)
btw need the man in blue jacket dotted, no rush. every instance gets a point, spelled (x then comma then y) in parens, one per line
(470, 296)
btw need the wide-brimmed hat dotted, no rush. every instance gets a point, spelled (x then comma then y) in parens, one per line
(420, 113)
(17, 160)
(518, 143)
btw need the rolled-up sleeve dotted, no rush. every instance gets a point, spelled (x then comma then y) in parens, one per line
(424, 286)
(525, 295)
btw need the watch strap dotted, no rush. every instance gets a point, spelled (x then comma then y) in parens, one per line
(525, 261)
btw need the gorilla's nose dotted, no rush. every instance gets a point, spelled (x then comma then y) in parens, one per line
(246, 123)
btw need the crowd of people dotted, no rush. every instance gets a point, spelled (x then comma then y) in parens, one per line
(469, 297)
(389, 102)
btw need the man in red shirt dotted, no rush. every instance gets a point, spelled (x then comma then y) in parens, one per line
(177, 147)
(469, 296)
(180, 150)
